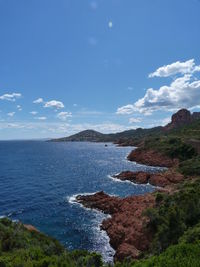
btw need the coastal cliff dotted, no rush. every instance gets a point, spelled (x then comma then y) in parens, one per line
(151, 158)
(126, 227)
(131, 227)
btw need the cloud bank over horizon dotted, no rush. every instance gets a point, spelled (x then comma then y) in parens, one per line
(182, 92)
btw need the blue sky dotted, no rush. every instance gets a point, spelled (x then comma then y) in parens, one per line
(109, 65)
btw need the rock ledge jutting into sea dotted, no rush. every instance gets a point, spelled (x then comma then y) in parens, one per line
(126, 227)
(161, 179)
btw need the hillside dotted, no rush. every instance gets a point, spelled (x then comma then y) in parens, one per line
(182, 123)
(87, 136)
(94, 136)
(22, 248)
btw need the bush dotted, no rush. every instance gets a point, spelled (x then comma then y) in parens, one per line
(174, 216)
(182, 255)
(190, 167)
(22, 248)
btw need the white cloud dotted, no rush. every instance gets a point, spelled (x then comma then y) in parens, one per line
(64, 115)
(178, 67)
(62, 129)
(165, 121)
(54, 104)
(130, 88)
(5, 125)
(134, 120)
(128, 109)
(19, 107)
(183, 92)
(33, 112)
(10, 97)
(11, 114)
(110, 24)
(40, 118)
(38, 101)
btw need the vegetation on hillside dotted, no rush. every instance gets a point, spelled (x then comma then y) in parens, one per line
(175, 216)
(21, 248)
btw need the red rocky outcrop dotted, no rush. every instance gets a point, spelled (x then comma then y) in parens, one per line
(161, 179)
(126, 228)
(150, 157)
(182, 117)
(134, 177)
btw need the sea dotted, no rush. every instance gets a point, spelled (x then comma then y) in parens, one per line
(40, 180)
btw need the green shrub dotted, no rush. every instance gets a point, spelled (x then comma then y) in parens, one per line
(174, 216)
(22, 248)
(190, 167)
(173, 147)
(182, 255)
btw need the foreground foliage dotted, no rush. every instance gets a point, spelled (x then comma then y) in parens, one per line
(175, 216)
(182, 255)
(22, 248)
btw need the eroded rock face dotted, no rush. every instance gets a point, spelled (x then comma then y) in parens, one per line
(126, 228)
(161, 179)
(196, 116)
(151, 158)
(182, 117)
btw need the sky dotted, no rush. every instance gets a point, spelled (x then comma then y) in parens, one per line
(107, 65)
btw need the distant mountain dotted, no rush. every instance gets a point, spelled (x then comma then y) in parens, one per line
(122, 137)
(134, 136)
(87, 135)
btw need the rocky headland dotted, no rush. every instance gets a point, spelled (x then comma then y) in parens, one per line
(126, 227)
(151, 158)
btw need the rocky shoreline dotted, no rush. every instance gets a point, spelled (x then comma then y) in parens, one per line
(127, 226)
(151, 158)
(161, 179)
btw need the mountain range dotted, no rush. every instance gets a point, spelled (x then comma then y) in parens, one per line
(179, 119)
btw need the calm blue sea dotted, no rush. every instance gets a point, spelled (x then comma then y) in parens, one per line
(38, 182)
